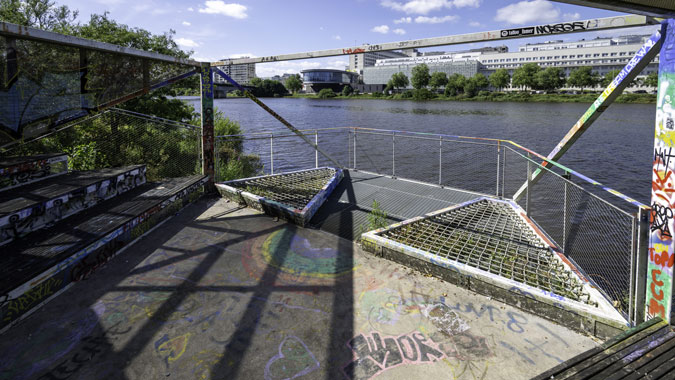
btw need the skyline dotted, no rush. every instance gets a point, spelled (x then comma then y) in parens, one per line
(216, 29)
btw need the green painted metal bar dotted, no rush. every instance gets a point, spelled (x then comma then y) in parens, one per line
(661, 247)
(641, 59)
(208, 150)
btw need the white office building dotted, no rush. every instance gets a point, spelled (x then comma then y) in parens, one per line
(241, 74)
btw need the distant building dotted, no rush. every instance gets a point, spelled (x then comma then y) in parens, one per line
(241, 74)
(314, 80)
(602, 54)
(357, 62)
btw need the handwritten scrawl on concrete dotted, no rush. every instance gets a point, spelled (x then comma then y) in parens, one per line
(375, 354)
(293, 360)
(446, 320)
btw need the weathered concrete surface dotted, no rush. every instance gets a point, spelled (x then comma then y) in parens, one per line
(222, 293)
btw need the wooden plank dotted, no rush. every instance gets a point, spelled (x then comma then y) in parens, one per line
(664, 371)
(635, 352)
(655, 363)
(636, 367)
(553, 372)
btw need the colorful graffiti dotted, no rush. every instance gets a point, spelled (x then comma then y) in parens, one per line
(661, 248)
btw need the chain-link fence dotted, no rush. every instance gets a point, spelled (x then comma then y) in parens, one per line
(46, 84)
(116, 138)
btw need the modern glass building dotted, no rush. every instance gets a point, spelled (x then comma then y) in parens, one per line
(314, 80)
(382, 74)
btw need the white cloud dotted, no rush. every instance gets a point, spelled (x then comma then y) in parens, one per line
(384, 29)
(423, 7)
(186, 42)
(337, 37)
(220, 7)
(403, 20)
(434, 20)
(186, 23)
(571, 16)
(242, 55)
(475, 24)
(190, 9)
(525, 12)
(399, 31)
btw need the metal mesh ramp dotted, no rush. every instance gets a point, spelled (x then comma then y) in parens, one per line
(295, 196)
(492, 237)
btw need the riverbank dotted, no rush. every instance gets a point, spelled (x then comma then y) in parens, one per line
(505, 97)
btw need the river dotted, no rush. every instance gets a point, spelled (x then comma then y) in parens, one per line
(616, 151)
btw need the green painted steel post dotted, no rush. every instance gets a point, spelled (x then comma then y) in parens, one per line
(208, 151)
(661, 245)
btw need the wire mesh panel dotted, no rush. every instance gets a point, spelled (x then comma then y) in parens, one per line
(118, 138)
(48, 84)
(417, 158)
(470, 166)
(490, 236)
(374, 151)
(592, 232)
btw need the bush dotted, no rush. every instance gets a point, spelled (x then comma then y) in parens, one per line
(484, 93)
(407, 94)
(450, 91)
(326, 93)
(347, 90)
(377, 94)
(423, 94)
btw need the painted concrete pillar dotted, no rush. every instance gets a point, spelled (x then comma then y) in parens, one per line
(661, 246)
(208, 151)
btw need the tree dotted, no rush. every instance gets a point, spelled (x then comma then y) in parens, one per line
(470, 88)
(347, 90)
(524, 76)
(420, 76)
(255, 82)
(41, 14)
(293, 83)
(326, 93)
(652, 80)
(455, 84)
(500, 79)
(398, 80)
(480, 81)
(438, 79)
(550, 79)
(609, 77)
(583, 77)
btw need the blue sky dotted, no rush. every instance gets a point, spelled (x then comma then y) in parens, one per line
(215, 29)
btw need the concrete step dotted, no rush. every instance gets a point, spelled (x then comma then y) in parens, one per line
(38, 205)
(42, 264)
(17, 171)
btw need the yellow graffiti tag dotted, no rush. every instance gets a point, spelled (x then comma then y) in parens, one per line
(174, 348)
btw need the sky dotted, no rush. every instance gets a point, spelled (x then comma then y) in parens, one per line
(217, 29)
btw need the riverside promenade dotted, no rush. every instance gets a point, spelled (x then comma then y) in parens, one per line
(223, 292)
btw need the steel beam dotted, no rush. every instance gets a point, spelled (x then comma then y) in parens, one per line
(654, 8)
(208, 141)
(494, 35)
(28, 33)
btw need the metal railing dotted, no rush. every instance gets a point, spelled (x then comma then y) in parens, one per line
(595, 227)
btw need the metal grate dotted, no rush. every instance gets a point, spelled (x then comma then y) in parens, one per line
(490, 236)
(294, 189)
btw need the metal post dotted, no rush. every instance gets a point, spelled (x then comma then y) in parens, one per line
(641, 263)
(393, 154)
(498, 154)
(504, 173)
(354, 148)
(146, 75)
(660, 265)
(84, 71)
(564, 236)
(529, 183)
(316, 151)
(208, 152)
(440, 159)
(271, 153)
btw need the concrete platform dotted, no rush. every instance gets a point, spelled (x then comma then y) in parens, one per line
(221, 292)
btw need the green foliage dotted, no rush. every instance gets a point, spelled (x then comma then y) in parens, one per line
(422, 94)
(41, 14)
(347, 90)
(500, 79)
(377, 218)
(377, 94)
(652, 80)
(268, 88)
(420, 76)
(455, 84)
(326, 93)
(525, 76)
(398, 80)
(294, 83)
(552, 78)
(438, 79)
(85, 157)
(583, 77)
(407, 94)
(470, 88)
(481, 81)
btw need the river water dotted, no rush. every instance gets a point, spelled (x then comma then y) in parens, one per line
(616, 150)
